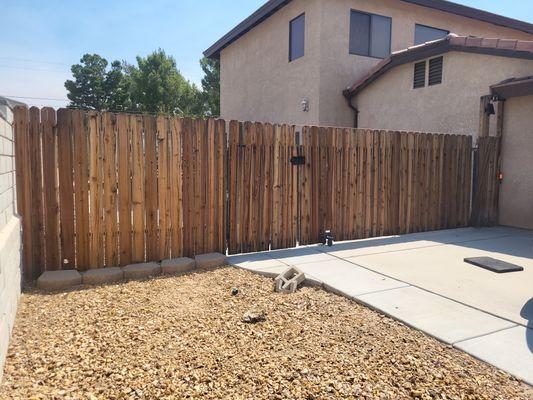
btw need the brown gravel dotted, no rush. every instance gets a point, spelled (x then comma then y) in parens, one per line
(183, 337)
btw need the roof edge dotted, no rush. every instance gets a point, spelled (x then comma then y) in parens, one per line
(434, 48)
(261, 14)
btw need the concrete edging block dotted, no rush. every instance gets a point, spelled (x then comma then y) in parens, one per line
(140, 271)
(58, 280)
(210, 260)
(102, 276)
(178, 265)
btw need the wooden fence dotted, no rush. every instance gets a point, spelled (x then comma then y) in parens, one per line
(103, 189)
(487, 185)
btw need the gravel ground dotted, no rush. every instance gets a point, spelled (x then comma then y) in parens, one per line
(183, 337)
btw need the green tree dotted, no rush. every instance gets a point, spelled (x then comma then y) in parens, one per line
(117, 88)
(211, 86)
(96, 88)
(87, 89)
(157, 86)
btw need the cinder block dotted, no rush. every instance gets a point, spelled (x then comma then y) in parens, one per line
(178, 265)
(102, 276)
(288, 281)
(57, 280)
(140, 271)
(210, 260)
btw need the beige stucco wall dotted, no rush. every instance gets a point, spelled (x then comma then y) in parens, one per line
(516, 192)
(450, 107)
(339, 69)
(258, 83)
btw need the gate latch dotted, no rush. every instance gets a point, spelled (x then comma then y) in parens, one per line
(298, 160)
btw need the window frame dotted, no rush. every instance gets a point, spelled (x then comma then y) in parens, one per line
(290, 38)
(352, 10)
(430, 27)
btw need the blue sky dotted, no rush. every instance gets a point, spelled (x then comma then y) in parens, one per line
(41, 39)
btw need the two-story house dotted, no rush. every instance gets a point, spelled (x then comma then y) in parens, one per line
(291, 60)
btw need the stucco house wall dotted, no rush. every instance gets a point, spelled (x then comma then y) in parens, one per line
(339, 69)
(450, 107)
(259, 83)
(516, 190)
(10, 243)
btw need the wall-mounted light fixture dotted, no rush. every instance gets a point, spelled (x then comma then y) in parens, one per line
(305, 104)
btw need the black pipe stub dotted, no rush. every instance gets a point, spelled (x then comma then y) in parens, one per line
(329, 238)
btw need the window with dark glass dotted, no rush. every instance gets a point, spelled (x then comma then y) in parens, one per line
(425, 34)
(297, 38)
(370, 34)
(419, 80)
(435, 71)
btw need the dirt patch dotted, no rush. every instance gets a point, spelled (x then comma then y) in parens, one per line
(184, 337)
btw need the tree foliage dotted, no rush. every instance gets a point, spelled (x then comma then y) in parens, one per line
(154, 85)
(211, 86)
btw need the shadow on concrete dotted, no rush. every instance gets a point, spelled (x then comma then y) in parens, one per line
(510, 241)
(527, 313)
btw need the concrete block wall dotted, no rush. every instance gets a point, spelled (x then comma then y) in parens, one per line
(10, 234)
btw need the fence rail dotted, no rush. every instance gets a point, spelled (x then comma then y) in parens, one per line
(103, 189)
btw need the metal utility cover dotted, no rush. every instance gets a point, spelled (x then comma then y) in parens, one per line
(493, 265)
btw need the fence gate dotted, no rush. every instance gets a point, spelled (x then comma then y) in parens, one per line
(356, 183)
(486, 182)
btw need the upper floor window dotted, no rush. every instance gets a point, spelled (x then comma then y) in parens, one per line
(425, 34)
(370, 34)
(297, 38)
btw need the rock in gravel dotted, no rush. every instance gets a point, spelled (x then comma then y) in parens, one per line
(254, 316)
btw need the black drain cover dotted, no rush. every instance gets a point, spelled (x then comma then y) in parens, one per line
(493, 265)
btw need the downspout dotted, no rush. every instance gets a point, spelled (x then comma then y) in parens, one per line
(348, 96)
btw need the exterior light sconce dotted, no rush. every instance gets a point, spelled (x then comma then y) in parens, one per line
(329, 238)
(305, 104)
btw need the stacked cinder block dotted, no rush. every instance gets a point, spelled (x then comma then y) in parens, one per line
(10, 242)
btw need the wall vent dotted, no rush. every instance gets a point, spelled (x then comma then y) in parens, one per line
(435, 71)
(419, 80)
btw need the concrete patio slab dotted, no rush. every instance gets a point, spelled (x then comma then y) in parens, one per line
(442, 270)
(254, 261)
(422, 280)
(348, 279)
(446, 320)
(510, 350)
(300, 255)
(412, 241)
